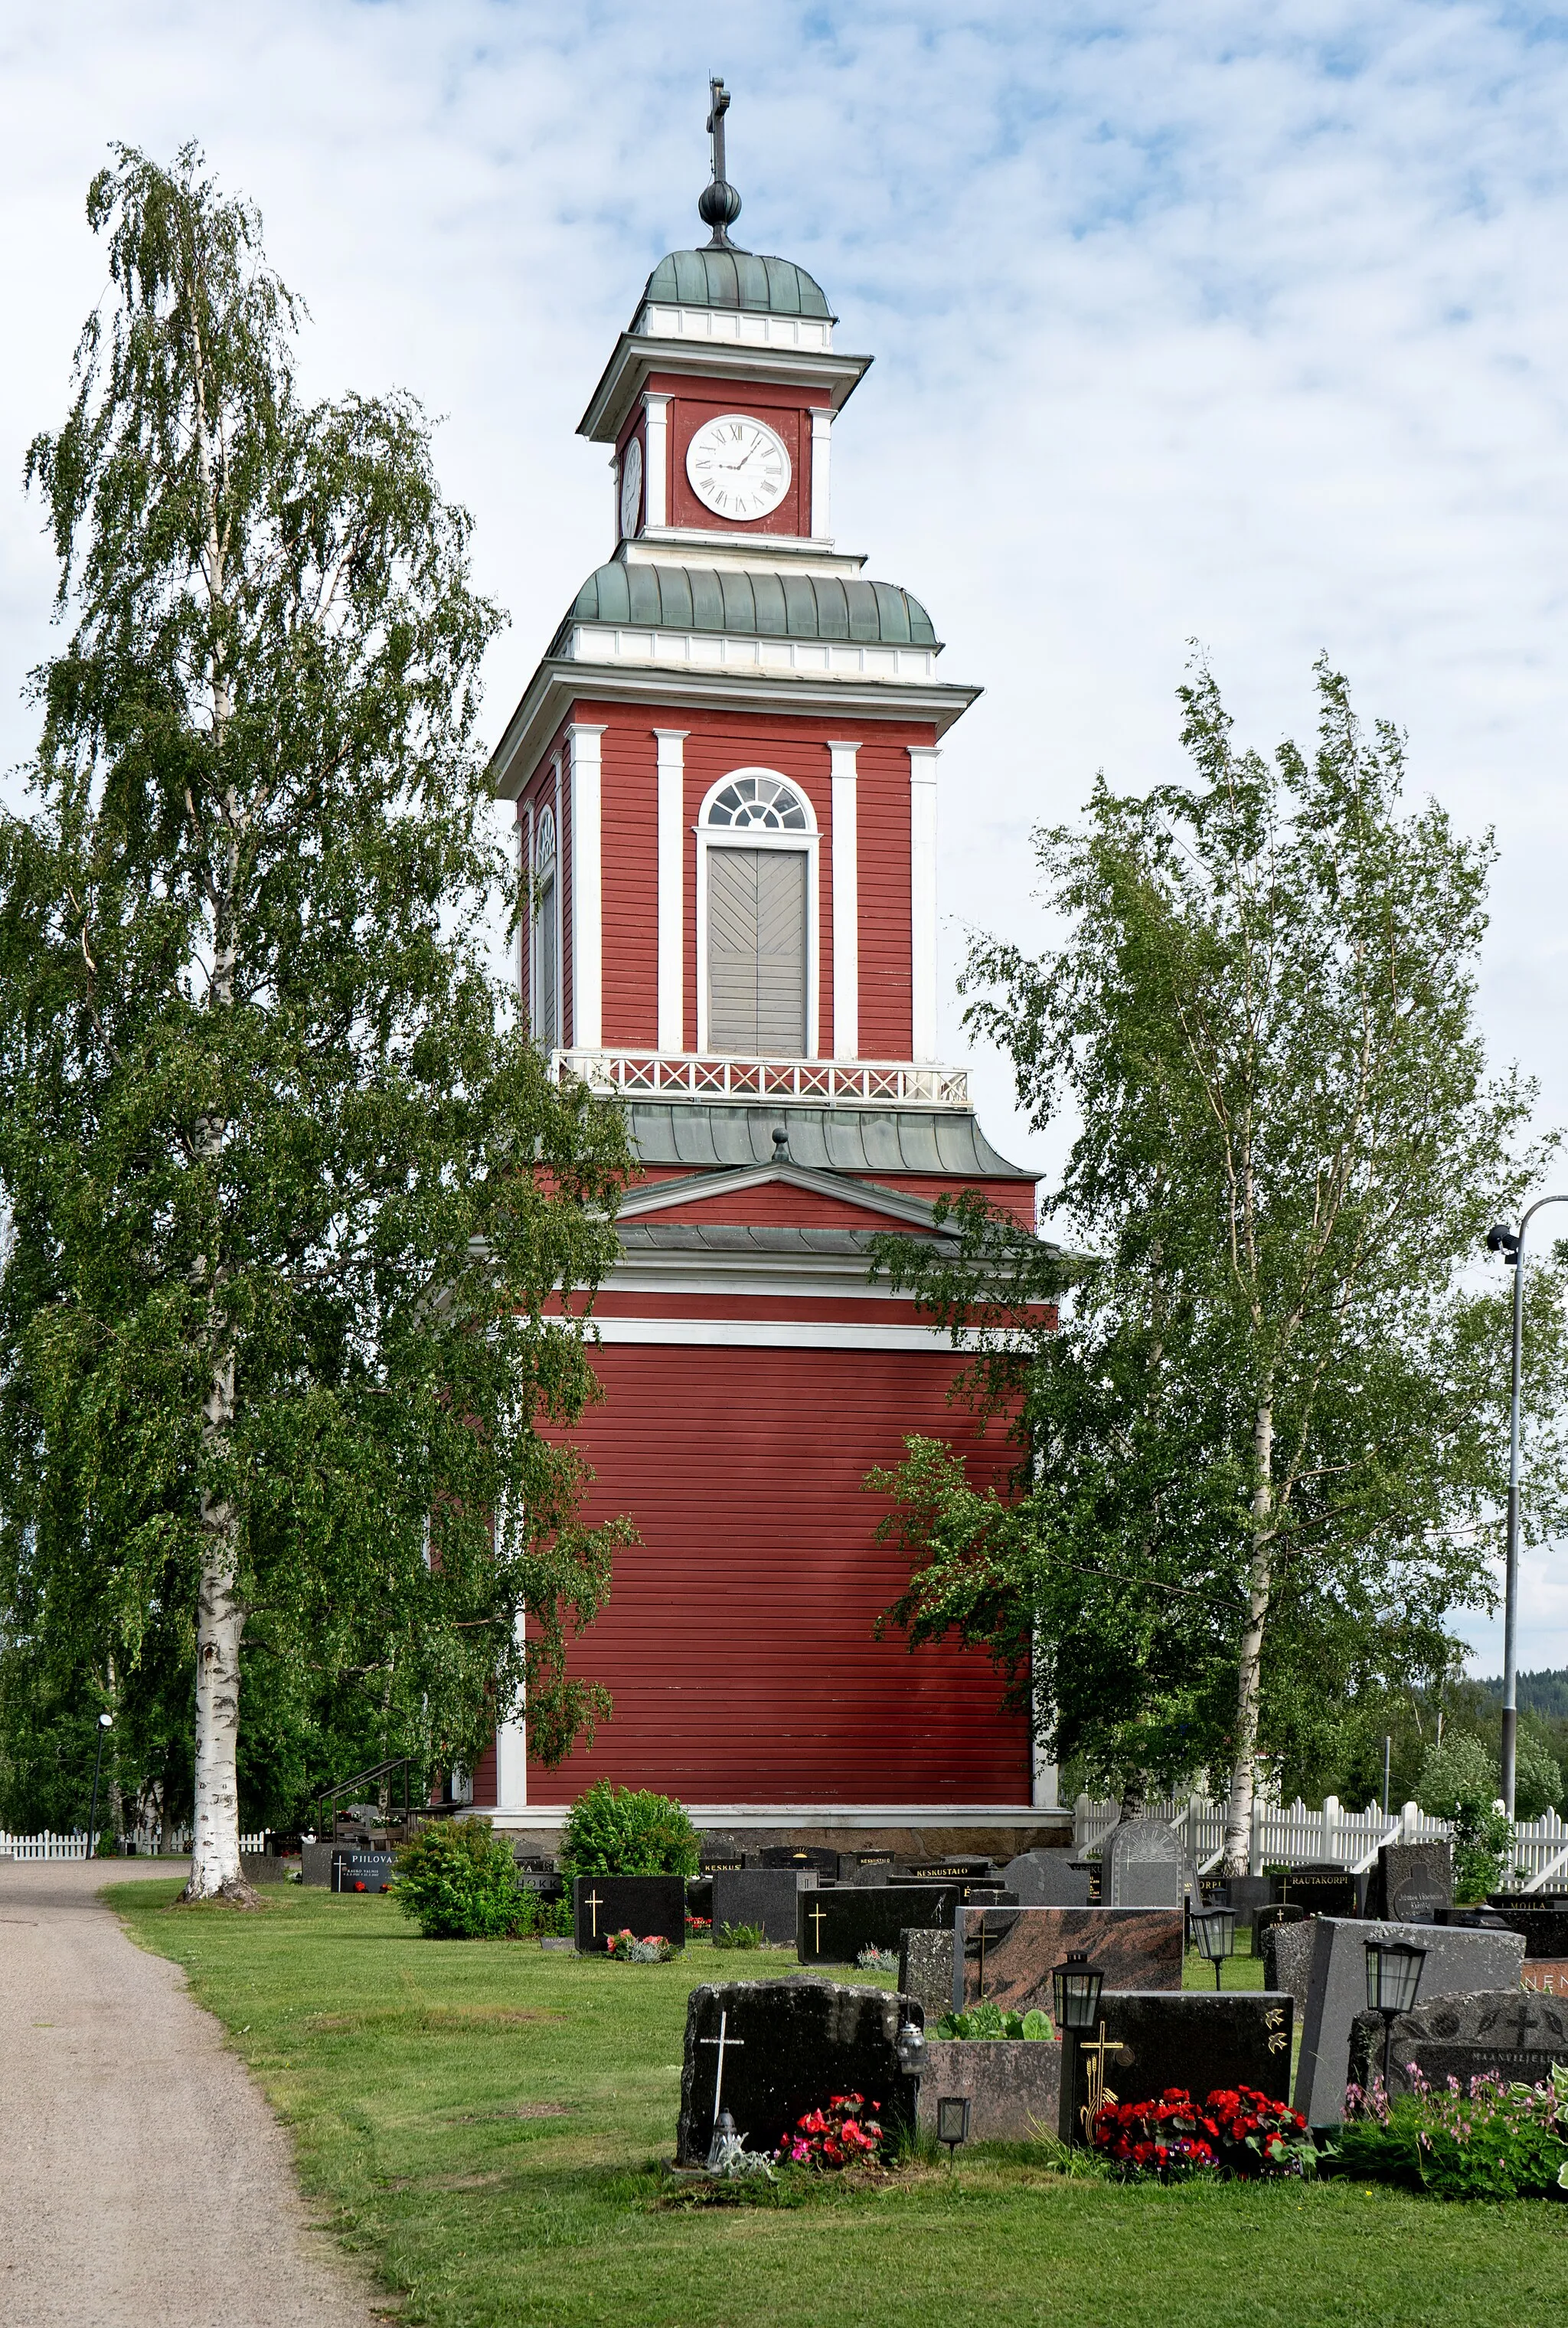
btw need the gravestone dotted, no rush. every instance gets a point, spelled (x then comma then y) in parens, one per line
(1322, 1890)
(315, 1861)
(873, 1877)
(1012, 2084)
(1196, 2040)
(833, 1926)
(1279, 1911)
(1504, 2033)
(1412, 1882)
(1457, 1962)
(1247, 1894)
(1046, 1879)
(812, 1856)
(1543, 1921)
(786, 2047)
(709, 1862)
(1143, 1864)
(361, 1871)
(643, 1905)
(767, 1896)
(1009, 1953)
(925, 1970)
(1287, 1954)
(953, 1871)
(864, 1867)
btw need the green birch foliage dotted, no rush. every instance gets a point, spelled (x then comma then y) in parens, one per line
(262, 1103)
(1265, 1457)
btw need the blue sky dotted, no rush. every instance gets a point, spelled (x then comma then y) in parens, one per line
(1239, 324)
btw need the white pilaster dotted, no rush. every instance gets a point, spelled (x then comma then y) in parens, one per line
(822, 505)
(512, 1752)
(846, 901)
(671, 742)
(922, 759)
(656, 461)
(588, 890)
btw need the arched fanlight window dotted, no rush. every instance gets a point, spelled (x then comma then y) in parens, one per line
(758, 846)
(545, 985)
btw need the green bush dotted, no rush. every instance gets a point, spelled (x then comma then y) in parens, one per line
(1496, 2141)
(738, 1936)
(613, 1830)
(458, 1881)
(1458, 1782)
(1538, 1776)
(986, 2019)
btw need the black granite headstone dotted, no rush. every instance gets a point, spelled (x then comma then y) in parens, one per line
(1412, 1882)
(1247, 1894)
(859, 1864)
(1504, 2033)
(822, 1863)
(646, 1905)
(1153, 2039)
(1544, 1922)
(953, 1871)
(788, 2046)
(361, 1871)
(833, 1926)
(1322, 1890)
(761, 1896)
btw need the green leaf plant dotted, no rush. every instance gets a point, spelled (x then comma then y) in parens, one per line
(291, 1195)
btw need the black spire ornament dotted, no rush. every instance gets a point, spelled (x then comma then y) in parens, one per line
(719, 204)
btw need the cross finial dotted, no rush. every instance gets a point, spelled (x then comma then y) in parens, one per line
(718, 205)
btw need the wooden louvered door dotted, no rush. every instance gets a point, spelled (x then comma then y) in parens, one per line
(757, 953)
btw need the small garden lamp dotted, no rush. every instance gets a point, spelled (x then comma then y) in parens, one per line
(1075, 1986)
(1215, 1930)
(952, 2121)
(1393, 1978)
(106, 1722)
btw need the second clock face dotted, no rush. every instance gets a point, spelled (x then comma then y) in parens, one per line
(737, 467)
(631, 485)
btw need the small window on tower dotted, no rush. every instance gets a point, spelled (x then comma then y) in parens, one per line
(544, 984)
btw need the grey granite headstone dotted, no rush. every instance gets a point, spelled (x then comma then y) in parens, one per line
(1247, 1894)
(761, 1895)
(1456, 1962)
(1193, 2039)
(1046, 1879)
(1412, 1882)
(1504, 2033)
(789, 2046)
(646, 1905)
(925, 1970)
(1143, 1864)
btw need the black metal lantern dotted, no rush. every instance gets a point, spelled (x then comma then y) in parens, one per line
(1215, 1930)
(1076, 1988)
(1393, 1978)
(952, 2121)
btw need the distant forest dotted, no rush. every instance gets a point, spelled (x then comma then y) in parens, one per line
(1545, 1693)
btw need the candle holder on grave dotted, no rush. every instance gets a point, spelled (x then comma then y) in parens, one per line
(1215, 1930)
(1075, 1986)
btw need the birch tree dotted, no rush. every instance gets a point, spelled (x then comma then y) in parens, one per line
(1282, 1391)
(291, 1192)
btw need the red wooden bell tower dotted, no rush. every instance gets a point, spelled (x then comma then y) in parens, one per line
(725, 777)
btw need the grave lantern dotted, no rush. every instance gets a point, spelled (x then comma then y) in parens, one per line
(1393, 1978)
(1215, 1930)
(910, 2048)
(1075, 1986)
(952, 2121)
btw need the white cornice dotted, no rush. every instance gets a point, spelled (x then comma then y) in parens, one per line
(561, 680)
(745, 553)
(636, 355)
(735, 326)
(677, 650)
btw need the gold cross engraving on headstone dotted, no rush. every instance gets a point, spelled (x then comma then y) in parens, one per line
(1273, 2021)
(595, 1903)
(819, 1918)
(1099, 2092)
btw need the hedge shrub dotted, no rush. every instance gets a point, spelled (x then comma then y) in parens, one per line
(613, 1830)
(459, 1880)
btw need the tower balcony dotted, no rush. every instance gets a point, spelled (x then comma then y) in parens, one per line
(827, 1082)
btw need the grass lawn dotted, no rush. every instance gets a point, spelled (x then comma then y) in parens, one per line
(484, 2124)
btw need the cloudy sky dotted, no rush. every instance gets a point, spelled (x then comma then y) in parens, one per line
(1199, 320)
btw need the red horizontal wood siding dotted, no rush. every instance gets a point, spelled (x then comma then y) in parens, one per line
(739, 1641)
(629, 858)
(883, 852)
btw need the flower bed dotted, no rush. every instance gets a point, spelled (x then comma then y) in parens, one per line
(1236, 2131)
(625, 1948)
(1496, 2141)
(847, 2133)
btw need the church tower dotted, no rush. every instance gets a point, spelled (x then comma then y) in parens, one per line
(726, 776)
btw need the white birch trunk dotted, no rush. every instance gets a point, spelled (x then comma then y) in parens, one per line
(1238, 1823)
(215, 1872)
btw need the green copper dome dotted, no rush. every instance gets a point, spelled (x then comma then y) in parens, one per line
(736, 278)
(752, 606)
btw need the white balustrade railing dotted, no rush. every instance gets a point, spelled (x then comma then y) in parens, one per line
(1288, 1834)
(658, 1075)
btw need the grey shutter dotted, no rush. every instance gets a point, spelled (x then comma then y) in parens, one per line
(756, 951)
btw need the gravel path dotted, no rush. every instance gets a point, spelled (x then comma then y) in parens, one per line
(146, 2183)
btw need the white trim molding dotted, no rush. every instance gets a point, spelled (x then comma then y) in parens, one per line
(821, 499)
(777, 1334)
(922, 759)
(846, 902)
(738, 327)
(656, 460)
(588, 886)
(828, 659)
(671, 977)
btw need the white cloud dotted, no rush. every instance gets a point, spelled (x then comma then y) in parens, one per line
(1191, 321)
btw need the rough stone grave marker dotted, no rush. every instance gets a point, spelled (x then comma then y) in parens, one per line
(1504, 2034)
(1009, 1953)
(767, 1896)
(1046, 1879)
(1143, 1864)
(1287, 1954)
(789, 2046)
(1412, 1882)
(925, 1971)
(1151, 2040)
(643, 1905)
(1457, 1962)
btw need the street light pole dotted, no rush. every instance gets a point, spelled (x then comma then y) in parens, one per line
(104, 1723)
(1511, 1245)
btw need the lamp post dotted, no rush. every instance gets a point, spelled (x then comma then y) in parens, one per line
(1076, 1987)
(105, 1723)
(1215, 1930)
(1393, 1978)
(1510, 1243)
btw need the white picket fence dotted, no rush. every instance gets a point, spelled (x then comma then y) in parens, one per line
(1288, 1834)
(74, 1845)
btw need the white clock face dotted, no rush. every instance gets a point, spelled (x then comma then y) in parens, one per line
(738, 468)
(632, 485)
